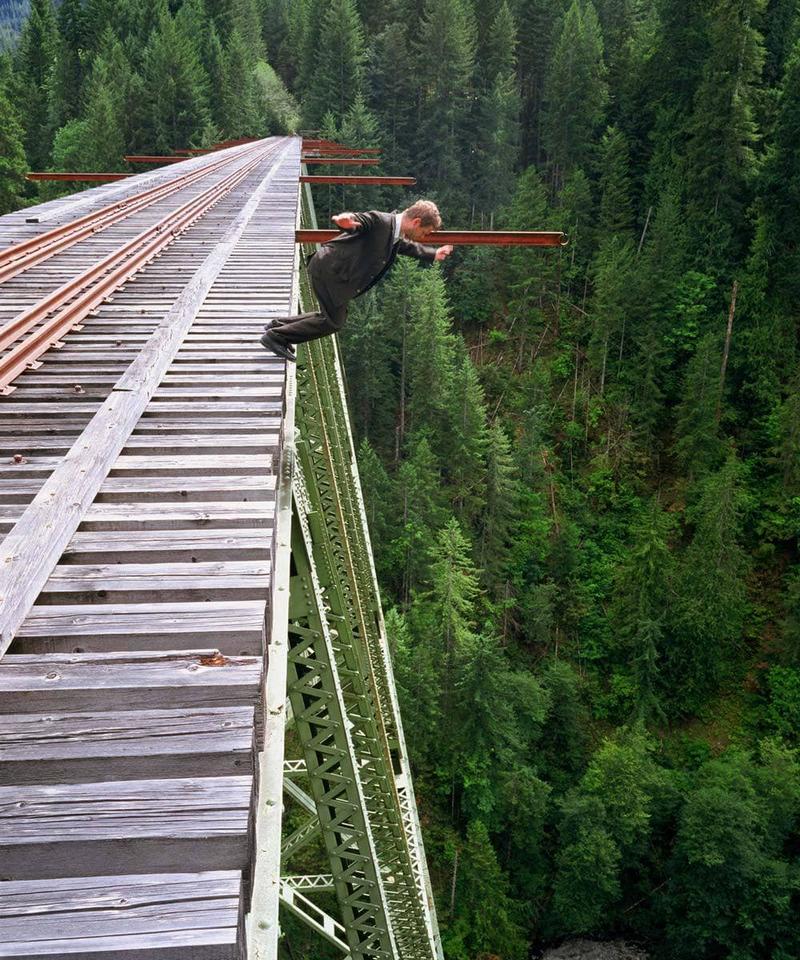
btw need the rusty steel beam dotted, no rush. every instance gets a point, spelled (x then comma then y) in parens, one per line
(143, 159)
(360, 181)
(496, 238)
(341, 160)
(88, 177)
(333, 151)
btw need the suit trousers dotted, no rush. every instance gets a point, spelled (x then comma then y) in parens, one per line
(311, 326)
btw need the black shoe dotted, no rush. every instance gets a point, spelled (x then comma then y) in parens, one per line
(278, 347)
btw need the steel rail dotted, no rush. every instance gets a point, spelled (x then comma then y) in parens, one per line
(18, 257)
(122, 264)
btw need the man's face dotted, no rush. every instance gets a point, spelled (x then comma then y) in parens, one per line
(414, 230)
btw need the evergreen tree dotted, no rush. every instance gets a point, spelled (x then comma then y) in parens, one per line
(616, 202)
(445, 57)
(175, 88)
(246, 20)
(12, 155)
(35, 62)
(335, 80)
(698, 445)
(487, 921)
(711, 598)
(497, 135)
(69, 67)
(538, 26)
(466, 445)
(421, 515)
(239, 115)
(393, 89)
(503, 504)
(576, 91)
(642, 598)
(722, 130)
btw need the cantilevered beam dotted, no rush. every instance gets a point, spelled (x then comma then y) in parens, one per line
(340, 160)
(88, 177)
(360, 181)
(498, 238)
(367, 151)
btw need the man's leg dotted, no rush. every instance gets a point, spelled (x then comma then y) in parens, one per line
(312, 326)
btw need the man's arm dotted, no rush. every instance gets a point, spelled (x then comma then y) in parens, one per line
(361, 222)
(422, 251)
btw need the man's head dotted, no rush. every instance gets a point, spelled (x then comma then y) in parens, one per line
(420, 220)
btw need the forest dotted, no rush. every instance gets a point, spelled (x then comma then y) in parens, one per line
(581, 466)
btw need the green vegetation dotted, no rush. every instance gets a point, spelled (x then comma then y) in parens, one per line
(581, 467)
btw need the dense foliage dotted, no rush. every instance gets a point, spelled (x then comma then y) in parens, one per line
(582, 466)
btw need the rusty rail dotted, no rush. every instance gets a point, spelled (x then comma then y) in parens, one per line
(18, 257)
(74, 300)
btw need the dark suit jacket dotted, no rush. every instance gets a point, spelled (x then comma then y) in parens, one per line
(356, 260)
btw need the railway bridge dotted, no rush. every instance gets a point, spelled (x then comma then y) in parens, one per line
(186, 587)
(185, 571)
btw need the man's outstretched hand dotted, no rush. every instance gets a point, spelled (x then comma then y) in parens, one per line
(443, 252)
(345, 221)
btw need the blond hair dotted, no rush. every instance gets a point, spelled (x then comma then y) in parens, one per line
(426, 211)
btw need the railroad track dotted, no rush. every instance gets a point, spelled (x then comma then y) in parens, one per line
(138, 465)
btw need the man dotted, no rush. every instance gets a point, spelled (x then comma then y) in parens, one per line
(351, 263)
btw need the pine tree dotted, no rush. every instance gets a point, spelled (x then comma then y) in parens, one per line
(13, 165)
(429, 354)
(445, 57)
(465, 447)
(576, 92)
(497, 135)
(711, 598)
(175, 88)
(393, 88)
(723, 131)
(35, 62)
(698, 444)
(336, 79)
(487, 922)
(538, 25)
(418, 489)
(503, 504)
(239, 115)
(616, 202)
(642, 597)
(246, 20)
(69, 68)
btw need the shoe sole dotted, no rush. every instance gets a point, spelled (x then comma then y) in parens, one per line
(270, 344)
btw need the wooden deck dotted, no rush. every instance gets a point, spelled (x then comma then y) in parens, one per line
(138, 468)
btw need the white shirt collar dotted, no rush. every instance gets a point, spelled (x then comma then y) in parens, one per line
(397, 218)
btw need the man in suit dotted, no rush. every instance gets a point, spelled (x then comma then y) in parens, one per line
(351, 263)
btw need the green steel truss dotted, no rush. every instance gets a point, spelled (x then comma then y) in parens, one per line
(342, 695)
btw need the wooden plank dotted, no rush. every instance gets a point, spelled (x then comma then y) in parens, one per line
(178, 916)
(235, 627)
(125, 745)
(127, 681)
(246, 579)
(29, 552)
(176, 516)
(84, 829)
(118, 546)
(197, 487)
